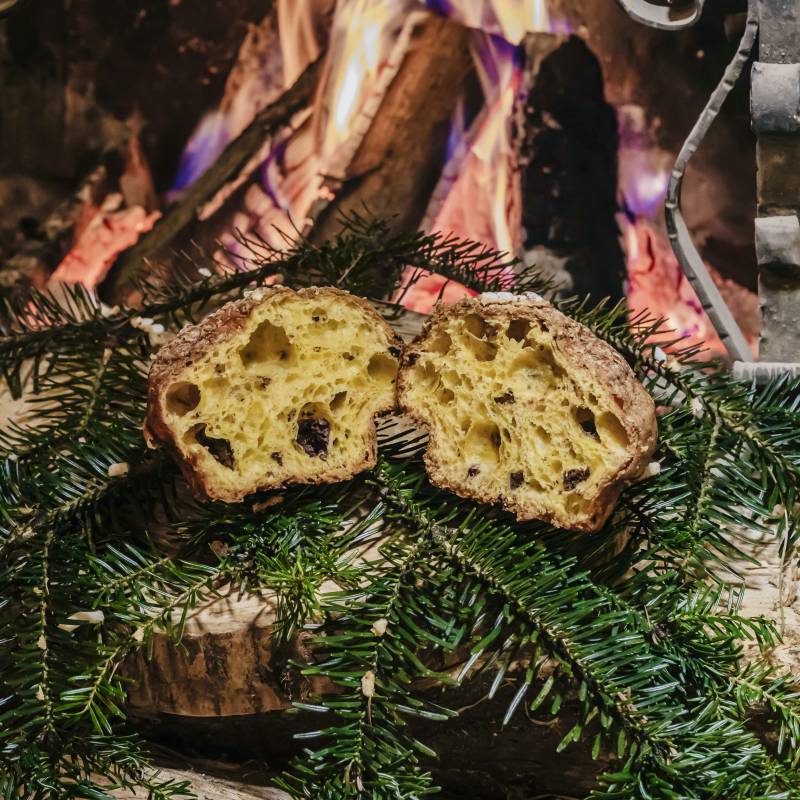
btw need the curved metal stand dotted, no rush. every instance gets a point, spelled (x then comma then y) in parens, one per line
(680, 238)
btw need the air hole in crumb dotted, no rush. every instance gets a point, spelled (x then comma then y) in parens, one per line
(382, 368)
(525, 360)
(338, 401)
(428, 376)
(445, 395)
(220, 449)
(268, 342)
(547, 357)
(541, 436)
(516, 479)
(318, 315)
(441, 344)
(479, 327)
(277, 458)
(451, 378)
(482, 442)
(348, 356)
(481, 349)
(182, 398)
(518, 329)
(609, 425)
(585, 418)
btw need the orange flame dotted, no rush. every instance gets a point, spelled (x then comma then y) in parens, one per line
(367, 43)
(479, 195)
(657, 285)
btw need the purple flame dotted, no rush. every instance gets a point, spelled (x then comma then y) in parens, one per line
(201, 151)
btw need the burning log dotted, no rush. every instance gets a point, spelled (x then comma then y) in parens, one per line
(235, 156)
(396, 165)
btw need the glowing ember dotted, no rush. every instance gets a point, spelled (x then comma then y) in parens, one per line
(657, 285)
(109, 231)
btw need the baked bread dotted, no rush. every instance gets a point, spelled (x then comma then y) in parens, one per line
(526, 408)
(279, 387)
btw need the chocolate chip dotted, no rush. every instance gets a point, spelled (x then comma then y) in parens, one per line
(312, 436)
(472, 472)
(572, 477)
(277, 457)
(220, 449)
(503, 399)
(348, 356)
(316, 319)
(264, 382)
(516, 479)
(394, 351)
(412, 358)
(590, 428)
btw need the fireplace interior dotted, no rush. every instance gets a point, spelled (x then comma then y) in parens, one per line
(542, 129)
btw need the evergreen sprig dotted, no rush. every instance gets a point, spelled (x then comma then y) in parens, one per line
(639, 624)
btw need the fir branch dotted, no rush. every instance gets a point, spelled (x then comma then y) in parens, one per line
(760, 685)
(625, 682)
(367, 751)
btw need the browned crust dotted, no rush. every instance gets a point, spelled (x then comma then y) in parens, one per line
(195, 340)
(584, 352)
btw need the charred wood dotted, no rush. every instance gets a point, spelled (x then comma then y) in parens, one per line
(398, 162)
(570, 175)
(235, 156)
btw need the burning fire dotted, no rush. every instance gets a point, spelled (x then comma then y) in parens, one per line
(478, 195)
(109, 230)
(656, 283)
